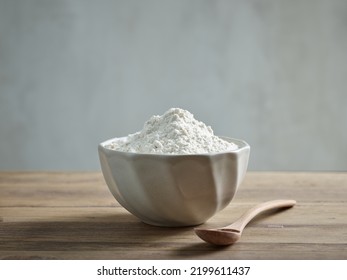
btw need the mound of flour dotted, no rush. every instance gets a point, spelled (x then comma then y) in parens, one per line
(175, 132)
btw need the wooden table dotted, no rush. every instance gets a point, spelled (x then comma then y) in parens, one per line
(52, 215)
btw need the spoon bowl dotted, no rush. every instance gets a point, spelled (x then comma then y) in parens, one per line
(218, 236)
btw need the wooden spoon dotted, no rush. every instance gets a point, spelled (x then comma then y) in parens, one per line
(231, 233)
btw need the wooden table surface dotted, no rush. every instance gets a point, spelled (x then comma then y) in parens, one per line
(60, 215)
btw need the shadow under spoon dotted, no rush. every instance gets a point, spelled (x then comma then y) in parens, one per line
(230, 234)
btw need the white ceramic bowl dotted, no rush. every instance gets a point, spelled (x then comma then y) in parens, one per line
(174, 190)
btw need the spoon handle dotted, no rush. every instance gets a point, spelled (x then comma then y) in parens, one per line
(241, 222)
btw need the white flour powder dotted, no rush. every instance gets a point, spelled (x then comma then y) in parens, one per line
(175, 132)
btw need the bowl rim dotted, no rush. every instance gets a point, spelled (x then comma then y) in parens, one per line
(242, 145)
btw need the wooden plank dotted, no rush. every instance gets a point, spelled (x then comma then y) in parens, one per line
(89, 189)
(144, 235)
(42, 189)
(302, 186)
(202, 251)
(301, 214)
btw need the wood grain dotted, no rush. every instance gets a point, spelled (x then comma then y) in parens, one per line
(62, 215)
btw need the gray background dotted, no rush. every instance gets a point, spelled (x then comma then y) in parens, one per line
(74, 73)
